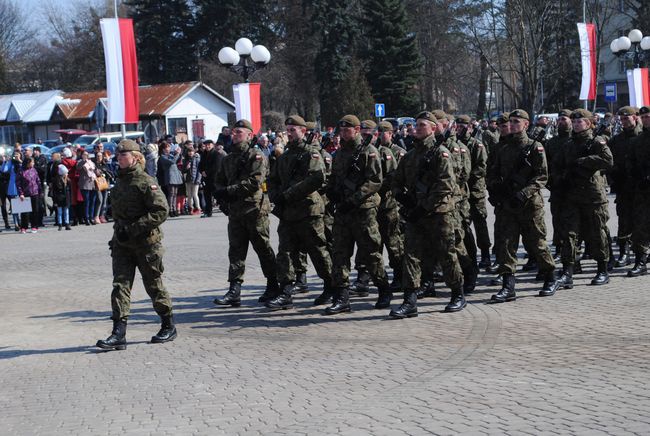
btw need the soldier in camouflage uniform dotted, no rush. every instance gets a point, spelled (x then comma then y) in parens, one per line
(518, 174)
(638, 164)
(490, 136)
(239, 185)
(585, 212)
(619, 145)
(353, 187)
(424, 184)
(293, 187)
(139, 208)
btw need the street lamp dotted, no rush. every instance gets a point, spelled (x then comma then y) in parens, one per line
(634, 47)
(237, 59)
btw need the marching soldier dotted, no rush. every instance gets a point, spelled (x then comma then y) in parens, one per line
(424, 184)
(139, 208)
(518, 174)
(239, 185)
(585, 212)
(297, 176)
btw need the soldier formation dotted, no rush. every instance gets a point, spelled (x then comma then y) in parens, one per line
(420, 204)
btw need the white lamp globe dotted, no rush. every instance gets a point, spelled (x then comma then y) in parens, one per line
(624, 43)
(614, 46)
(228, 56)
(244, 46)
(635, 35)
(260, 54)
(645, 43)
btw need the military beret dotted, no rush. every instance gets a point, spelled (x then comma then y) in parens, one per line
(644, 110)
(426, 115)
(127, 145)
(439, 114)
(609, 115)
(463, 119)
(581, 113)
(349, 121)
(519, 113)
(493, 119)
(368, 124)
(503, 118)
(245, 124)
(627, 110)
(564, 113)
(450, 117)
(311, 125)
(385, 126)
(295, 120)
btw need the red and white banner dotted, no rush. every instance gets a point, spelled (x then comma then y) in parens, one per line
(247, 104)
(121, 70)
(637, 82)
(587, 33)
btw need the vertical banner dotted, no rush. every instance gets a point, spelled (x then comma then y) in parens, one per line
(247, 104)
(587, 34)
(121, 70)
(637, 82)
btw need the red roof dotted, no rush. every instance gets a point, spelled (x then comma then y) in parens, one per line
(155, 100)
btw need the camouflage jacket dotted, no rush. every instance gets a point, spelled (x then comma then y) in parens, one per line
(388, 167)
(620, 146)
(478, 166)
(638, 163)
(555, 147)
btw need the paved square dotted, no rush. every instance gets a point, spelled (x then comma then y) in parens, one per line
(576, 363)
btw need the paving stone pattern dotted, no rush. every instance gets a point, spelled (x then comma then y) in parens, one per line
(576, 363)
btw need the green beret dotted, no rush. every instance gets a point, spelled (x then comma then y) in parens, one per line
(127, 145)
(311, 125)
(581, 113)
(450, 117)
(503, 118)
(295, 120)
(349, 121)
(519, 113)
(627, 110)
(385, 126)
(244, 123)
(426, 115)
(463, 119)
(564, 113)
(644, 110)
(439, 114)
(609, 115)
(493, 119)
(368, 124)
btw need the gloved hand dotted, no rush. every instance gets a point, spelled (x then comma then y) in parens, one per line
(518, 200)
(345, 206)
(415, 214)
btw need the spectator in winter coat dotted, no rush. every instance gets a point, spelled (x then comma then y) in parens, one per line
(151, 160)
(29, 188)
(61, 196)
(86, 171)
(169, 176)
(192, 177)
(102, 169)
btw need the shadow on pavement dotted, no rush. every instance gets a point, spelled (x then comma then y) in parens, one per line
(86, 349)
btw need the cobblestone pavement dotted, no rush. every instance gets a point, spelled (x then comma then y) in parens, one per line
(576, 363)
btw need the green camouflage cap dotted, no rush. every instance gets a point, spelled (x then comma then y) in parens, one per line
(564, 113)
(385, 126)
(243, 124)
(439, 114)
(503, 118)
(426, 115)
(127, 145)
(295, 120)
(463, 119)
(368, 124)
(644, 110)
(581, 113)
(349, 121)
(627, 110)
(519, 113)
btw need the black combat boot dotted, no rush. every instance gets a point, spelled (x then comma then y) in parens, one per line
(282, 301)
(624, 254)
(409, 307)
(640, 268)
(341, 302)
(385, 297)
(470, 280)
(396, 284)
(117, 339)
(167, 331)
(326, 296)
(485, 259)
(492, 269)
(566, 277)
(300, 285)
(457, 302)
(602, 276)
(361, 286)
(531, 265)
(426, 290)
(232, 297)
(272, 290)
(551, 285)
(507, 292)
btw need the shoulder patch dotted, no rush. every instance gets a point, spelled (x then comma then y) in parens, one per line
(456, 150)
(401, 153)
(315, 155)
(462, 150)
(445, 154)
(328, 159)
(258, 156)
(540, 148)
(372, 154)
(154, 187)
(480, 144)
(389, 157)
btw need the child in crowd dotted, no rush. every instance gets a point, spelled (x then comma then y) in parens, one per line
(61, 196)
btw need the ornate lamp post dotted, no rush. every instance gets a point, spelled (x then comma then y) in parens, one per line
(633, 47)
(245, 58)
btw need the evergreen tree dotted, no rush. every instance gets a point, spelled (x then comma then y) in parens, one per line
(392, 57)
(164, 31)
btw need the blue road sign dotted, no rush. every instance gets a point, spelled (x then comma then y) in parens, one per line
(380, 110)
(610, 92)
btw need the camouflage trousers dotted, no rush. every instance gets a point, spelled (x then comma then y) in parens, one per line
(391, 236)
(298, 261)
(478, 214)
(148, 260)
(465, 223)
(359, 227)
(557, 205)
(588, 222)
(625, 205)
(305, 235)
(251, 228)
(434, 234)
(641, 234)
(527, 223)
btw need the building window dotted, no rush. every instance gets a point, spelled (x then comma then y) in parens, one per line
(176, 126)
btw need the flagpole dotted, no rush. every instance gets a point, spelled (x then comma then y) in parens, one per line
(122, 126)
(584, 20)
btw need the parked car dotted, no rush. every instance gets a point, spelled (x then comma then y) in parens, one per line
(88, 141)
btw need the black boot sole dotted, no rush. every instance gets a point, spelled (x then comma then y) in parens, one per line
(276, 308)
(402, 316)
(629, 274)
(107, 347)
(507, 300)
(162, 341)
(336, 312)
(233, 304)
(455, 309)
